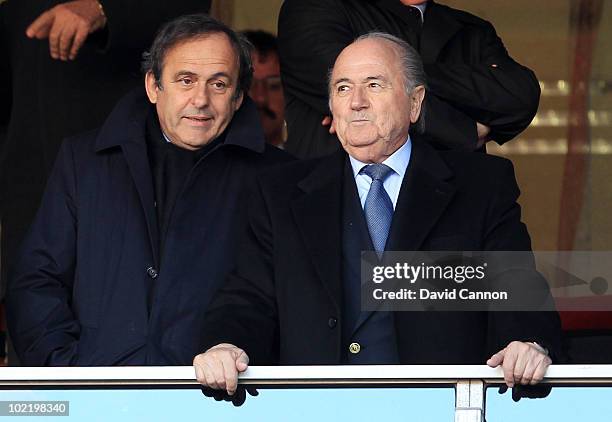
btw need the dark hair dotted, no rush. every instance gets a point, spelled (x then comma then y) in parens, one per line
(263, 42)
(188, 27)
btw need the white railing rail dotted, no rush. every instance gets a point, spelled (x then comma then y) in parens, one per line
(470, 381)
(325, 376)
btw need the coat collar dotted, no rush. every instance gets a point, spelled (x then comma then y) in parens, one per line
(426, 191)
(126, 124)
(126, 128)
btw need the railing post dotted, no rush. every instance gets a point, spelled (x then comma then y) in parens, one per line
(470, 401)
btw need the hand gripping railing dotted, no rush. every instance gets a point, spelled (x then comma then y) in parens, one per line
(469, 381)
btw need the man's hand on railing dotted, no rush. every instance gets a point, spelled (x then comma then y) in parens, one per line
(523, 363)
(217, 370)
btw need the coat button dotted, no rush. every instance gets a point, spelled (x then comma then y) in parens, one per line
(152, 272)
(331, 322)
(354, 348)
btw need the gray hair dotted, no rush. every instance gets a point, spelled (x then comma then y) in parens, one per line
(411, 64)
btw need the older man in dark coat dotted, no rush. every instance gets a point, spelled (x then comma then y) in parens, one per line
(136, 228)
(294, 298)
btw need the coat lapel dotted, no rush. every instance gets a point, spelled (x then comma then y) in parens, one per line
(424, 195)
(136, 157)
(125, 128)
(438, 28)
(318, 216)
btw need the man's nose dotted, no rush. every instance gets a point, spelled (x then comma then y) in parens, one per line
(200, 97)
(359, 99)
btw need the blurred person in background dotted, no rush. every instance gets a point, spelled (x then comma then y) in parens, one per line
(266, 89)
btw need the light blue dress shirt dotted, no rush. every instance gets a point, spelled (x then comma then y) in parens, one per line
(421, 7)
(398, 161)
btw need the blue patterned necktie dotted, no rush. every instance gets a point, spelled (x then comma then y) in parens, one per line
(378, 207)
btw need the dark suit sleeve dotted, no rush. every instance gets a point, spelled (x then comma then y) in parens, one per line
(244, 311)
(505, 232)
(495, 90)
(446, 125)
(41, 322)
(132, 24)
(311, 34)
(5, 74)
(5, 87)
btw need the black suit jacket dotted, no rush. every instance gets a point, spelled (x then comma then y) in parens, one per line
(471, 78)
(284, 302)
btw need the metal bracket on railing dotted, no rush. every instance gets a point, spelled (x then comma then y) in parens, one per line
(470, 401)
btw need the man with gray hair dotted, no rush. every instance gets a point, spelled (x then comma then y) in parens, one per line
(294, 297)
(137, 228)
(477, 92)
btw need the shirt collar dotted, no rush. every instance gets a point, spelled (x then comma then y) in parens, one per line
(398, 161)
(421, 7)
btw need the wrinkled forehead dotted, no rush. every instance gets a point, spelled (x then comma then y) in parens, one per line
(369, 55)
(213, 49)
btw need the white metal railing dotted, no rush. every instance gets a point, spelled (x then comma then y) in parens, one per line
(470, 381)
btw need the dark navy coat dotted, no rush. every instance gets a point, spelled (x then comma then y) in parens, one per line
(89, 288)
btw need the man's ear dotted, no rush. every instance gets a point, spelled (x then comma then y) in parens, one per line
(332, 125)
(416, 101)
(151, 87)
(239, 100)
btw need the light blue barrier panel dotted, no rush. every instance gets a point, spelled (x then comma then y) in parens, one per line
(272, 405)
(564, 404)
